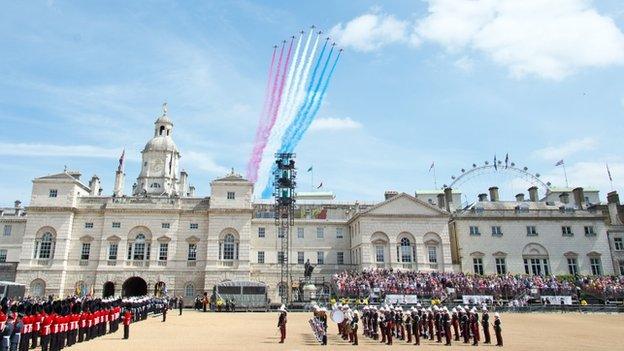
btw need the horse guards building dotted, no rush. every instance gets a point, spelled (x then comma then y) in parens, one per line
(164, 238)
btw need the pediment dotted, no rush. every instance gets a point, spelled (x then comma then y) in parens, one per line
(404, 204)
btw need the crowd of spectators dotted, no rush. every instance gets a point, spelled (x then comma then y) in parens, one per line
(379, 282)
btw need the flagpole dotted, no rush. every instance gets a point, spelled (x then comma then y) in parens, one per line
(435, 181)
(565, 174)
(312, 179)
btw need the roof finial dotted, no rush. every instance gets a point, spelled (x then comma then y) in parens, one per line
(165, 108)
(232, 170)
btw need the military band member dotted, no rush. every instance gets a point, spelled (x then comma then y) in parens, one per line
(485, 319)
(281, 323)
(498, 330)
(474, 326)
(408, 324)
(455, 322)
(465, 324)
(446, 322)
(354, 327)
(416, 326)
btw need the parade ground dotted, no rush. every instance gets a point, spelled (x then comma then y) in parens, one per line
(257, 331)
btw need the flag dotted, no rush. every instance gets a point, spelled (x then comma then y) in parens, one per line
(121, 160)
(559, 163)
(310, 169)
(432, 165)
(495, 165)
(506, 160)
(609, 172)
(320, 185)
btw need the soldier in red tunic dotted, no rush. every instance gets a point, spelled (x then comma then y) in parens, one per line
(127, 319)
(281, 323)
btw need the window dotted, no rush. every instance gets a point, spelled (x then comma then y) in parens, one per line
(406, 250)
(433, 254)
(566, 231)
(501, 265)
(116, 225)
(189, 290)
(86, 249)
(8, 228)
(379, 254)
(229, 244)
(477, 264)
(3, 255)
(300, 257)
(280, 257)
(536, 266)
(320, 257)
(261, 232)
(572, 266)
(231, 195)
(618, 244)
(112, 251)
(340, 257)
(192, 252)
(621, 267)
(589, 230)
(163, 251)
(300, 233)
(320, 232)
(154, 185)
(46, 246)
(53, 193)
(280, 232)
(496, 230)
(531, 230)
(596, 265)
(89, 225)
(339, 233)
(260, 256)
(139, 248)
(193, 226)
(474, 230)
(165, 225)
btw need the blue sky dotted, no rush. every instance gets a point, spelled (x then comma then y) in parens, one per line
(453, 82)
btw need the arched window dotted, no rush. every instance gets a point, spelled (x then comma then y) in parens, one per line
(406, 250)
(229, 246)
(155, 185)
(139, 248)
(162, 129)
(44, 246)
(37, 288)
(189, 290)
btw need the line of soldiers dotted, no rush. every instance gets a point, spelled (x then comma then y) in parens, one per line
(348, 328)
(63, 323)
(433, 323)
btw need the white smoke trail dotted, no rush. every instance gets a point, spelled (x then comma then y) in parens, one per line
(297, 95)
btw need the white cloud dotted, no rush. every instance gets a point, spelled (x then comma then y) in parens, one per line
(561, 151)
(50, 150)
(589, 174)
(465, 64)
(547, 38)
(372, 31)
(203, 161)
(321, 124)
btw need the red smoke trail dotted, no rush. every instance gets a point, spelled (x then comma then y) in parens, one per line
(275, 111)
(256, 156)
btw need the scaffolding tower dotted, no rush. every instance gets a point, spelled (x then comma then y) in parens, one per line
(284, 184)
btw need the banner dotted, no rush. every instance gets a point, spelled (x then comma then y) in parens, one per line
(401, 299)
(556, 300)
(477, 299)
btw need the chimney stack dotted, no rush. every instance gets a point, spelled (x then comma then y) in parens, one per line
(613, 202)
(448, 199)
(18, 208)
(183, 184)
(564, 198)
(441, 203)
(579, 197)
(390, 194)
(483, 197)
(94, 186)
(119, 183)
(191, 191)
(520, 197)
(493, 193)
(533, 194)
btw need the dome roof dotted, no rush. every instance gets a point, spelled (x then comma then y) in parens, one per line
(164, 119)
(161, 143)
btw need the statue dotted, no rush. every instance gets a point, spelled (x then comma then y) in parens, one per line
(307, 269)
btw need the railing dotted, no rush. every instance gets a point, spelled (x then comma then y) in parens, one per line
(44, 262)
(83, 262)
(111, 263)
(191, 263)
(162, 263)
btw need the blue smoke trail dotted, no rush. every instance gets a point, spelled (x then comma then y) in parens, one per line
(268, 189)
(288, 145)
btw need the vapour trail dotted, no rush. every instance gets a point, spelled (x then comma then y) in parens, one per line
(257, 150)
(317, 105)
(301, 76)
(264, 113)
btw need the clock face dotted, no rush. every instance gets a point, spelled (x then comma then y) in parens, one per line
(157, 166)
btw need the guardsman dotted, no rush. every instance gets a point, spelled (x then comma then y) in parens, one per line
(7, 332)
(446, 322)
(38, 319)
(17, 332)
(416, 326)
(127, 319)
(354, 327)
(474, 326)
(498, 330)
(281, 323)
(180, 304)
(165, 306)
(485, 323)
(46, 328)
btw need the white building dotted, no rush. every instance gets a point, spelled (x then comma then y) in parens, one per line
(163, 235)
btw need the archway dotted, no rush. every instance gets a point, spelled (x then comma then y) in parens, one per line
(108, 290)
(160, 289)
(134, 286)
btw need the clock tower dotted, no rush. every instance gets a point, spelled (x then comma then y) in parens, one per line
(160, 160)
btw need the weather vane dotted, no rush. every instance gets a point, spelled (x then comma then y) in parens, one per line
(165, 108)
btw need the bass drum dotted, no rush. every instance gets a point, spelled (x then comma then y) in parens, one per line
(337, 316)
